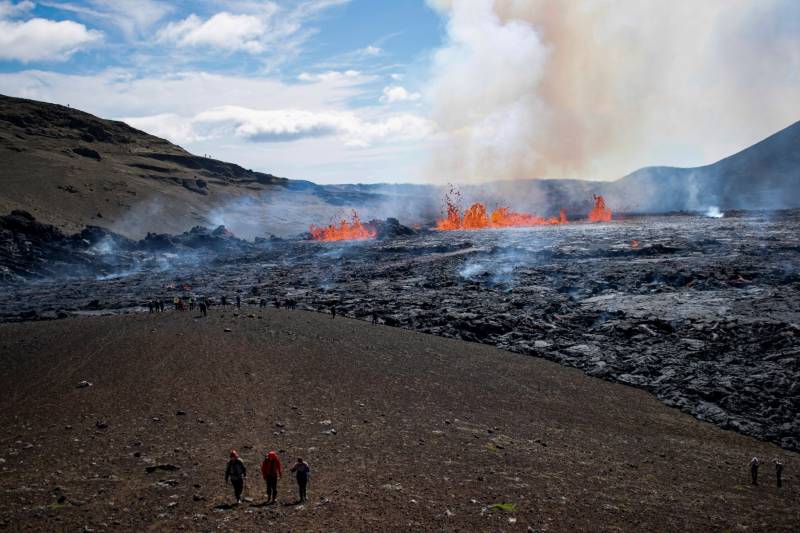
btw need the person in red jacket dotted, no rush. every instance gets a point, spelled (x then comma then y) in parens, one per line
(271, 470)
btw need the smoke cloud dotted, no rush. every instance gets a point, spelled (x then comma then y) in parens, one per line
(598, 88)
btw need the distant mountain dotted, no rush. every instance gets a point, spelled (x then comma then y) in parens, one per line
(71, 169)
(763, 176)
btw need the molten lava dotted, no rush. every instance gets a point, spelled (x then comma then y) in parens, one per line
(599, 213)
(476, 217)
(353, 230)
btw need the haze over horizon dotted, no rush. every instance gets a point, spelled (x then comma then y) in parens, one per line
(343, 91)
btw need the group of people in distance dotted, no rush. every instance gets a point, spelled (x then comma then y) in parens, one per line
(271, 472)
(755, 462)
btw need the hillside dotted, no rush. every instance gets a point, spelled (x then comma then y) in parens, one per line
(403, 432)
(70, 168)
(763, 176)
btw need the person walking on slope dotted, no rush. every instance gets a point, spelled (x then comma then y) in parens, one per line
(236, 472)
(302, 471)
(754, 470)
(778, 472)
(271, 470)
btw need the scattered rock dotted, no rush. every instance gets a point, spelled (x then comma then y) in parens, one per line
(166, 467)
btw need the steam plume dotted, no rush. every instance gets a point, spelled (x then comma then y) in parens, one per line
(597, 88)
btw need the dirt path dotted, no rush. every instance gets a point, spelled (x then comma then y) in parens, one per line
(403, 431)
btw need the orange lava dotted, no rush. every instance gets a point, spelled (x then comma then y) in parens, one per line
(476, 217)
(353, 230)
(599, 213)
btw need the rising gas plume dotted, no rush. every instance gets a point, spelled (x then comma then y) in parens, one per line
(596, 89)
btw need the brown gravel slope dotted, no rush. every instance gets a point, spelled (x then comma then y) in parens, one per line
(429, 432)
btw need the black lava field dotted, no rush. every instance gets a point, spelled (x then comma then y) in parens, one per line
(702, 312)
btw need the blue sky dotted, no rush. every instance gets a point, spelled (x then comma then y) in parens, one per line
(419, 90)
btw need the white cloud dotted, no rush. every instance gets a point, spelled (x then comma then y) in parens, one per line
(9, 9)
(192, 107)
(396, 77)
(224, 31)
(40, 39)
(135, 18)
(166, 125)
(371, 51)
(331, 75)
(281, 125)
(396, 93)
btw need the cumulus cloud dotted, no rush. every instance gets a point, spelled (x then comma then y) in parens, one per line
(40, 39)
(546, 88)
(9, 9)
(396, 93)
(282, 125)
(224, 31)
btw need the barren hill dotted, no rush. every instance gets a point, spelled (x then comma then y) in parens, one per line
(403, 432)
(71, 169)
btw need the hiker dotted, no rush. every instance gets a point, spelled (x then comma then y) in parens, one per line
(238, 302)
(333, 311)
(779, 472)
(262, 303)
(754, 470)
(271, 470)
(175, 302)
(237, 474)
(302, 471)
(374, 317)
(191, 303)
(203, 308)
(161, 306)
(150, 306)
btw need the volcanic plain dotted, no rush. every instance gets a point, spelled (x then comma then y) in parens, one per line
(403, 431)
(703, 312)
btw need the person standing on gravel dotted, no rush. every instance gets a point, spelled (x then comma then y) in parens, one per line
(333, 311)
(778, 472)
(238, 302)
(302, 471)
(203, 307)
(754, 470)
(271, 470)
(236, 472)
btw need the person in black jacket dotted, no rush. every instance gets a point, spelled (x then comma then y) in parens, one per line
(302, 471)
(236, 472)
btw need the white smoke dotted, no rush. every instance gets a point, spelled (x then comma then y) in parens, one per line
(595, 88)
(714, 212)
